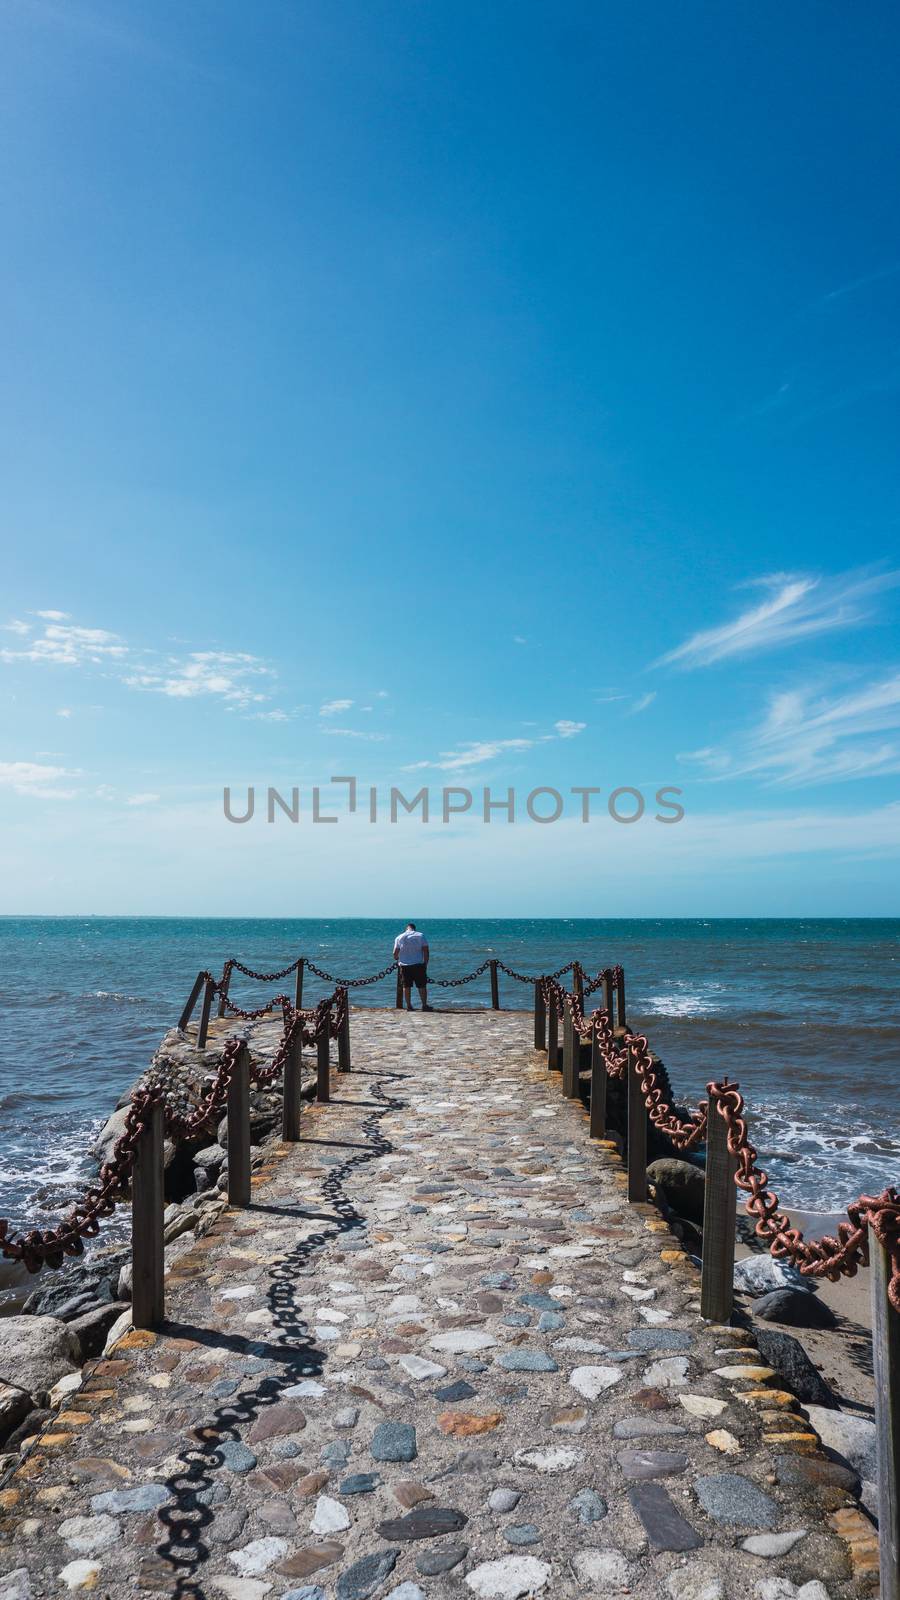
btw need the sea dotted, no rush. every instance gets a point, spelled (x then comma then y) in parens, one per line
(803, 1014)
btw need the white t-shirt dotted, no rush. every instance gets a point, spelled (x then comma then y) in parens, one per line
(409, 947)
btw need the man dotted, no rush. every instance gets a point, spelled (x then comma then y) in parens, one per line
(411, 954)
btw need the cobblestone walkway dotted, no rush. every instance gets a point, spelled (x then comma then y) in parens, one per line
(439, 1356)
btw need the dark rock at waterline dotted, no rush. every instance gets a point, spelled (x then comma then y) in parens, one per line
(92, 1328)
(32, 1424)
(682, 1185)
(787, 1355)
(796, 1307)
(71, 1294)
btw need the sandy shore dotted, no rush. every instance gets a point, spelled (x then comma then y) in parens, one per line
(843, 1354)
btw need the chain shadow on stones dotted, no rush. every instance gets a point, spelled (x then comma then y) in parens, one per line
(191, 1508)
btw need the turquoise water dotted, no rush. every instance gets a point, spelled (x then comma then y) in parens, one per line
(804, 1014)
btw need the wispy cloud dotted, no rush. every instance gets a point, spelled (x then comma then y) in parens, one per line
(806, 737)
(642, 702)
(142, 799)
(231, 676)
(333, 708)
(54, 616)
(568, 730)
(15, 625)
(64, 711)
(356, 733)
(64, 645)
(36, 780)
(475, 752)
(798, 606)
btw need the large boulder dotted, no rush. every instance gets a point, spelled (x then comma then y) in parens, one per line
(682, 1185)
(758, 1275)
(850, 1438)
(70, 1294)
(39, 1350)
(787, 1355)
(92, 1328)
(796, 1307)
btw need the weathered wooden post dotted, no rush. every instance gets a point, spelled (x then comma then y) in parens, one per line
(495, 988)
(571, 1053)
(399, 1000)
(552, 1035)
(719, 1220)
(598, 1088)
(191, 1001)
(620, 999)
(344, 1040)
(298, 984)
(323, 1071)
(239, 1130)
(540, 1018)
(886, 1357)
(147, 1206)
(205, 1009)
(290, 1107)
(637, 1132)
(224, 987)
(607, 998)
(578, 980)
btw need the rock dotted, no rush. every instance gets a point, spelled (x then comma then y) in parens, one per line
(602, 1569)
(652, 1463)
(278, 1419)
(527, 1361)
(366, 1576)
(309, 1591)
(683, 1186)
(14, 1408)
(87, 1536)
(509, 1578)
(303, 1562)
(809, 1471)
(798, 1308)
(455, 1391)
(658, 1339)
(16, 1585)
(145, 1497)
(403, 1591)
(80, 1574)
(734, 1501)
(361, 1483)
(666, 1528)
(92, 1328)
(212, 1155)
(668, 1373)
(759, 1275)
(425, 1522)
(258, 1556)
(418, 1368)
(788, 1357)
(330, 1516)
(39, 1350)
(850, 1438)
(721, 1439)
(236, 1457)
(593, 1381)
(462, 1341)
(773, 1544)
(394, 1441)
(441, 1559)
(702, 1405)
(783, 1589)
(556, 1458)
(463, 1424)
(647, 1428)
(588, 1506)
(695, 1583)
(500, 1500)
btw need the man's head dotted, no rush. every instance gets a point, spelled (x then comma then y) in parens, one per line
(412, 926)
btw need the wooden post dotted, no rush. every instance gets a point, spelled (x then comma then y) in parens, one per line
(290, 1107)
(192, 999)
(886, 1357)
(298, 985)
(598, 1088)
(344, 1041)
(223, 989)
(719, 1220)
(540, 1018)
(578, 981)
(607, 1001)
(495, 988)
(203, 1028)
(571, 1052)
(147, 1206)
(323, 1074)
(620, 1000)
(239, 1131)
(553, 1062)
(399, 1000)
(637, 1133)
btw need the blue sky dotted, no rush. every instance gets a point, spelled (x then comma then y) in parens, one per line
(520, 384)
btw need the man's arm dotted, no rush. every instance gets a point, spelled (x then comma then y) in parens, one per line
(396, 944)
(425, 954)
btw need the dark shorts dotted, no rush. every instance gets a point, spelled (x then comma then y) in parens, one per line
(415, 973)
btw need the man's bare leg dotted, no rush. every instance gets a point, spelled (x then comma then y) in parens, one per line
(407, 994)
(423, 995)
